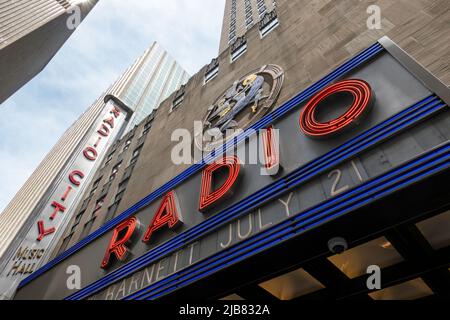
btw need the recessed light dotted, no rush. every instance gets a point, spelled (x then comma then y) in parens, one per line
(354, 262)
(409, 290)
(291, 285)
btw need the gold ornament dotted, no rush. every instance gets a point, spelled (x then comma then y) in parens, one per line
(249, 80)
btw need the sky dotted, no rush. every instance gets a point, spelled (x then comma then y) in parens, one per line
(113, 35)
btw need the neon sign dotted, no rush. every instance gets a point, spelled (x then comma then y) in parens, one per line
(362, 101)
(168, 214)
(43, 232)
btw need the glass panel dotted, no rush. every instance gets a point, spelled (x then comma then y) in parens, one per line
(410, 290)
(354, 262)
(291, 285)
(437, 230)
(232, 297)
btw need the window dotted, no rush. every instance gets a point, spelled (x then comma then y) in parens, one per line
(74, 227)
(106, 187)
(148, 125)
(78, 217)
(85, 203)
(99, 204)
(269, 27)
(119, 196)
(261, 8)
(238, 52)
(135, 156)
(262, 11)
(128, 172)
(249, 22)
(76, 222)
(115, 170)
(65, 243)
(111, 211)
(211, 74)
(109, 158)
(87, 228)
(95, 185)
(123, 185)
(145, 131)
(177, 102)
(127, 145)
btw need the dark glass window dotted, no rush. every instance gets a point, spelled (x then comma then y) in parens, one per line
(115, 170)
(135, 156)
(65, 243)
(87, 228)
(99, 204)
(95, 185)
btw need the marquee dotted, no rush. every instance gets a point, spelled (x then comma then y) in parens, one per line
(379, 105)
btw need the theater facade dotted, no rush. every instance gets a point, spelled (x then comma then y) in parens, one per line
(370, 167)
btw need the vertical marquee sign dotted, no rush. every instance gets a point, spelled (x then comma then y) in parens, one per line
(54, 214)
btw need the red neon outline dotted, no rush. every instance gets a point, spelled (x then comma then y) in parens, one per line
(167, 214)
(118, 246)
(44, 232)
(110, 121)
(363, 96)
(103, 131)
(271, 150)
(66, 194)
(58, 208)
(115, 112)
(209, 197)
(86, 154)
(72, 177)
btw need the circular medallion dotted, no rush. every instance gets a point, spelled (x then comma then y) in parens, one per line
(241, 105)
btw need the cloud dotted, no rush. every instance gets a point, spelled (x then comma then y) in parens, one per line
(114, 34)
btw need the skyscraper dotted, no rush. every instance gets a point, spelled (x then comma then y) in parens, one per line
(24, 222)
(240, 16)
(158, 76)
(31, 32)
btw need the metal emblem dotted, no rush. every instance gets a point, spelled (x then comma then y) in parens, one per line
(240, 106)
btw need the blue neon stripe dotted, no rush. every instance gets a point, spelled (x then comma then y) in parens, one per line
(279, 187)
(419, 172)
(366, 55)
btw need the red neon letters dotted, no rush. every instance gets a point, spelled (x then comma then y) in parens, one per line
(58, 207)
(208, 196)
(362, 101)
(73, 180)
(271, 151)
(121, 237)
(76, 176)
(167, 214)
(44, 232)
(90, 153)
